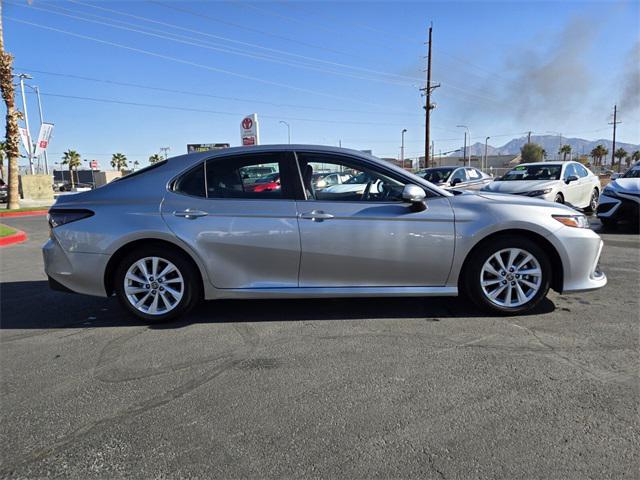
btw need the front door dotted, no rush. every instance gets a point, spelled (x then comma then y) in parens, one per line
(239, 215)
(361, 234)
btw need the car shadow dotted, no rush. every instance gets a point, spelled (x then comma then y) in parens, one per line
(32, 305)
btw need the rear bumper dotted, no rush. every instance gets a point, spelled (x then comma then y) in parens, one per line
(74, 271)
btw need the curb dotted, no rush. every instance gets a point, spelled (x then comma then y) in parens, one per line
(23, 214)
(12, 239)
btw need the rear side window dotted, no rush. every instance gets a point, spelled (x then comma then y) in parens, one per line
(192, 182)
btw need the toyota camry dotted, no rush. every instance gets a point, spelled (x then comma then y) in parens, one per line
(195, 227)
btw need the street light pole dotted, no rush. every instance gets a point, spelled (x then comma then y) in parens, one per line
(486, 141)
(404, 130)
(46, 160)
(288, 130)
(22, 78)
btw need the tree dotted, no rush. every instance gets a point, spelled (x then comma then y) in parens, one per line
(620, 154)
(634, 157)
(119, 161)
(135, 164)
(598, 154)
(156, 157)
(12, 136)
(71, 158)
(564, 151)
(531, 152)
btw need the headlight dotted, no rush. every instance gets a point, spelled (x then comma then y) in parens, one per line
(575, 221)
(61, 216)
(539, 193)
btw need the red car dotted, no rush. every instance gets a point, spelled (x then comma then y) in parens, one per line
(266, 184)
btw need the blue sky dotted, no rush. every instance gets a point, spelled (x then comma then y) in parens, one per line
(336, 71)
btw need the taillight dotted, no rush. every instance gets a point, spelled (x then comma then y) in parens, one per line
(61, 216)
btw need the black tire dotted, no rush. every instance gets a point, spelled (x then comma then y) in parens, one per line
(593, 201)
(471, 275)
(192, 285)
(559, 198)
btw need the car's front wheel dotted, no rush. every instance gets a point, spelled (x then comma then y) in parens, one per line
(508, 275)
(157, 284)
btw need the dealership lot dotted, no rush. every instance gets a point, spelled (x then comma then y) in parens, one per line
(324, 388)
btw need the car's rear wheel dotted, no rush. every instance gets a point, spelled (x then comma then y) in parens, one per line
(593, 201)
(508, 275)
(157, 284)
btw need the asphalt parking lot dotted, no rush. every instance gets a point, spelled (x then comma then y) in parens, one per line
(393, 388)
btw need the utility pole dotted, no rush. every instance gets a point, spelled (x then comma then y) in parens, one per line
(164, 150)
(288, 130)
(486, 142)
(614, 123)
(428, 106)
(22, 78)
(529, 136)
(404, 130)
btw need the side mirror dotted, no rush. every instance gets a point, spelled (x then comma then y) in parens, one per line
(570, 179)
(414, 195)
(455, 182)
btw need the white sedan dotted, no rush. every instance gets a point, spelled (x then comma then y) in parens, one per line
(562, 182)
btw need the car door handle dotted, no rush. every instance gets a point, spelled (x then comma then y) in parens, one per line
(316, 215)
(190, 214)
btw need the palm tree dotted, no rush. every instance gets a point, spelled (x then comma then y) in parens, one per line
(119, 161)
(598, 154)
(634, 157)
(564, 151)
(12, 136)
(71, 158)
(135, 164)
(620, 154)
(156, 157)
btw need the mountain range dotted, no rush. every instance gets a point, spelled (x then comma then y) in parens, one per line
(551, 143)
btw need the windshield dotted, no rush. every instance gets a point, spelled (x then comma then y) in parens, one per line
(437, 175)
(534, 172)
(632, 173)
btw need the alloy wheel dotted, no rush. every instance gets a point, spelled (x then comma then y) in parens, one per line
(594, 201)
(511, 277)
(154, 285)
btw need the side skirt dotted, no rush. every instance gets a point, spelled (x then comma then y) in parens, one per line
(333, 292)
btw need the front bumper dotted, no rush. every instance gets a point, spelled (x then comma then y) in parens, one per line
(618, 208)
(580, 251)
(74, 271)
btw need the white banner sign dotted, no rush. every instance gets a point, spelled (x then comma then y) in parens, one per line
(26, 140)
(249, 131)
(43, 138)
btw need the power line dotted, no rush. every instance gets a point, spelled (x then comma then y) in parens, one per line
(190, 63)
(202, 110)
(207, 45)
(209, 95)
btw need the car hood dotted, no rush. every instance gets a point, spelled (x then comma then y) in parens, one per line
(631, 185)
(519, 186)
(508, 199)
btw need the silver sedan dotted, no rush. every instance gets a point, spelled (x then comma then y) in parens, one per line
(196, 226)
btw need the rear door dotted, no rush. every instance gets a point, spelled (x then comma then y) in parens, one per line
(246, 236)
(367, 236)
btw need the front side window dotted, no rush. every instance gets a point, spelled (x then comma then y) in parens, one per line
(569, 171)
(459, 175)
(357, 182)
(582, 172)
(436, 175)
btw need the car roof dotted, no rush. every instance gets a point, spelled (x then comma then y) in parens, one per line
(553, 164)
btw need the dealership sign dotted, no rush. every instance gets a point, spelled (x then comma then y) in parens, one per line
(26, 139)
(249, 131)
(46, 129)
(205, 147)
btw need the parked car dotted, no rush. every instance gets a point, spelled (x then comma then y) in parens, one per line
(463, 178)
(183, 229)
(561, 182)
(324, 180)
(253, 173)
(620, 200)
(4, 191)
(267, 183)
